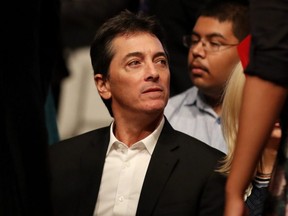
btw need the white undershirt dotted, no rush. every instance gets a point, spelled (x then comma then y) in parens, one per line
(123, 175)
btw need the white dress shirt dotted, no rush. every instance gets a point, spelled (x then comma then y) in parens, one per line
(123, 175)
(188, 113)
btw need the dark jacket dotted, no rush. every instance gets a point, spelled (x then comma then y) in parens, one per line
(180, 179)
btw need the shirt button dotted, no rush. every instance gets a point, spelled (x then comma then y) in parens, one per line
(121, 198)
(125, 165)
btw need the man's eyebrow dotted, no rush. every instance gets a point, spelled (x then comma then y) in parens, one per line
(158, 54)
(132, 54)
(140, 55)
(210, 35)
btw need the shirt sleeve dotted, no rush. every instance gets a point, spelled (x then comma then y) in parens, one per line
(269, 47)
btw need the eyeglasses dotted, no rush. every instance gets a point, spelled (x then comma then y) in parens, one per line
(191, 41)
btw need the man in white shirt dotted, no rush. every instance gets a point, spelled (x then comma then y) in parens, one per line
(139, 165)
(212, 57)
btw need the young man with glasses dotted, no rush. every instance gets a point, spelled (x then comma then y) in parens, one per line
(212, 57)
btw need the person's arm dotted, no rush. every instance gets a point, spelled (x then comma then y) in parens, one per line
(261, 106)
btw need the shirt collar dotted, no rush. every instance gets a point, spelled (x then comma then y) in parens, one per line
(149, 142)
(191, 96)
(196, 98)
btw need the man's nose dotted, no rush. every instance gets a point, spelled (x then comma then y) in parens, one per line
(152, 72)
(198, 49)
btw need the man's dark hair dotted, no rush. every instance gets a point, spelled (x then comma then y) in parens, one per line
(233, 11)
(125, 23)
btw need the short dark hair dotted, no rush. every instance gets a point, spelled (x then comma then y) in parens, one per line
(125, 23)
(233, 11)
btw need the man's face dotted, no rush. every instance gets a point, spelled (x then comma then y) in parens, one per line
(139, 76)
(209, 70)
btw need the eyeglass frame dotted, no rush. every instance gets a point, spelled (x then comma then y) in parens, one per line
(204, 43)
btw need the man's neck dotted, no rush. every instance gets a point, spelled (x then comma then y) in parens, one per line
(130, 131)
(215, 102)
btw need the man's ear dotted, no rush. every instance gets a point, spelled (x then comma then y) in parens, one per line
(102, 86)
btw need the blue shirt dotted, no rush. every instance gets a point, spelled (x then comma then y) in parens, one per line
(188, 113)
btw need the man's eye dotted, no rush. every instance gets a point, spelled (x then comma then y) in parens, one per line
(162, 61)
(133, 63)
(215, 44)
(194, 42)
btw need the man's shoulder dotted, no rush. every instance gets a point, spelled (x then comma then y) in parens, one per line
(194, 153)
(67, 154)
(193, 145)
(80, 141)
(198, 146)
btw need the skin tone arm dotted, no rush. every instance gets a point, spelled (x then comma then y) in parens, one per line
(261, 105)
